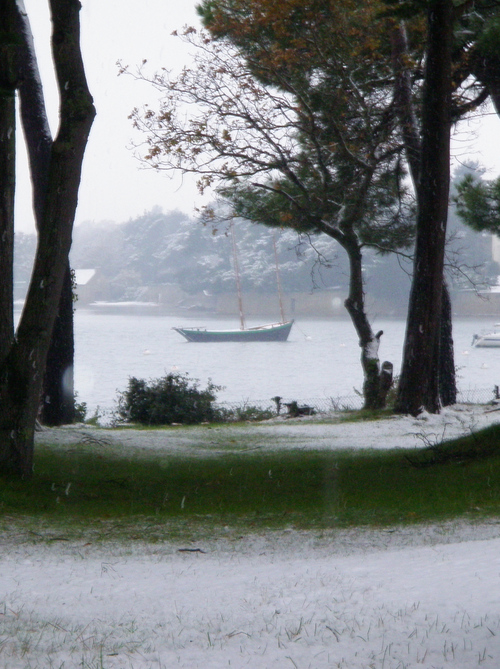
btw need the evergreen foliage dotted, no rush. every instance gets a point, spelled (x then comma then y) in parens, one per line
(174, 398)
(478, 203)
(293, 129)
(196, 257)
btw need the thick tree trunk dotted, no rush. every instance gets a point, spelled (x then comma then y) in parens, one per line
(377, 382)
(419, 386)
(447, 376)
(58, 393)
(19, 395)
(8, 82)
(58, 398)
(404, 105)
(21, 375)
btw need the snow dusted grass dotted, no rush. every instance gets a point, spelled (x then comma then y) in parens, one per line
(346, 599)
(224, 477)
(93, 578)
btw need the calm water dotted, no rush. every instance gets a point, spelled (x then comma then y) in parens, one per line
(320, 360)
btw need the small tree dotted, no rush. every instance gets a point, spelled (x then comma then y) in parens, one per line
(291, 137)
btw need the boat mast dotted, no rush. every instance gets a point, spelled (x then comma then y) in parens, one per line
(278, 280)
(237, 276)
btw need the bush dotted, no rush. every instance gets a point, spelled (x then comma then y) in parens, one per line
(80, 411)
(172, 399)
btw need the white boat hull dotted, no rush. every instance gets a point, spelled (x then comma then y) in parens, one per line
(487, 341)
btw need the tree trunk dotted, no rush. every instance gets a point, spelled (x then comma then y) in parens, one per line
(19, 395)
(8, 82)
(58, 393)
(447, 377)
(404, 105)
(21, 374)
(418, 386)
(376, 382)
(58, 398)
(487, 70)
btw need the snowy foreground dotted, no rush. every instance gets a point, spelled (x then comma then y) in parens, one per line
(380, 599)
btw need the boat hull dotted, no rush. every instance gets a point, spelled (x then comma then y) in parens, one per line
(487, 341)
(272, 332)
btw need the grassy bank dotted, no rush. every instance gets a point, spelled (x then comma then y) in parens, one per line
(158, 494)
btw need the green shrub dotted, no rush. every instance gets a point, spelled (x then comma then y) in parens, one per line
(175, 398)
(80, 411)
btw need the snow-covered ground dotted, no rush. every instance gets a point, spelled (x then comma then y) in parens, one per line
(424, 596)
(306, 433)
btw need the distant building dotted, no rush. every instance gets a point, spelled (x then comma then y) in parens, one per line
(90, 286)
(495, 248)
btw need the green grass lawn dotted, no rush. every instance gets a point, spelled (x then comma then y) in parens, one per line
(77, 488)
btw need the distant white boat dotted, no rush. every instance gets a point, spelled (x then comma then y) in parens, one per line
(490, 339)
(107, 305)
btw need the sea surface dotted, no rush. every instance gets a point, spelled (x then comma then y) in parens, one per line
(320, 361)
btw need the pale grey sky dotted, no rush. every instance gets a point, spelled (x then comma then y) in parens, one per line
(114, 186)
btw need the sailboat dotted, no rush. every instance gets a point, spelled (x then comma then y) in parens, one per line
(270, 332)
(489, 339)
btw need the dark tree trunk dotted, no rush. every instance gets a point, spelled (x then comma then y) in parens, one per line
(58, 399)
(487, 70)
(377, 382)
(57, 407)
(419, 380)
(21, 373)
(447, 379)
(404, 106)
(8, 83)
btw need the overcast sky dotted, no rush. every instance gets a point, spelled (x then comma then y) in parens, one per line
(114, 186)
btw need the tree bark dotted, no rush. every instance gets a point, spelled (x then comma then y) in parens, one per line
(58, 396)
(419, 379)
(403, 102)
(376, 382)
(487, 70)
(57, 405)
(409, 126)
(8, 83)
(447, 376)
(21, 374)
